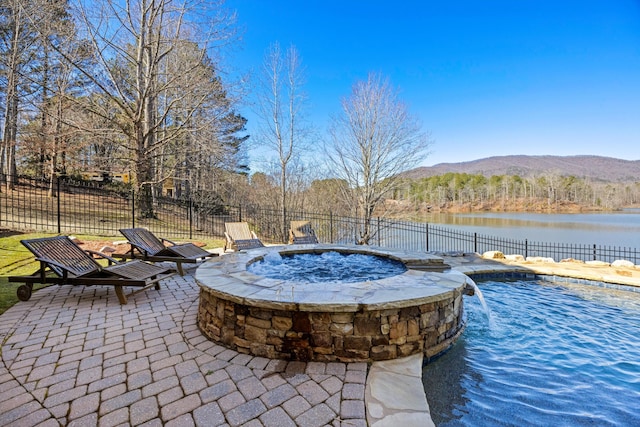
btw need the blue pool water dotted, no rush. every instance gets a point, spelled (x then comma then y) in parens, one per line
(326, 267)
(546, 355)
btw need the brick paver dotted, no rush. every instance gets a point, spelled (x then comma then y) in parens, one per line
(73, 356)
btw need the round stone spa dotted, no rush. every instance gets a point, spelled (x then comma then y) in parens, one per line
(309, 316)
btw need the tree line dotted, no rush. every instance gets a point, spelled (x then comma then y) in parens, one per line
(549, 189)
(118, 87)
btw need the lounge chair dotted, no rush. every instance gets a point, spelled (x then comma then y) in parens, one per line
(301, 233)
(145, 245)
(239, 237)
(62, 262)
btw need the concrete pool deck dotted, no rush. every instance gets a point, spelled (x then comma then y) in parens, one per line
(74, 356)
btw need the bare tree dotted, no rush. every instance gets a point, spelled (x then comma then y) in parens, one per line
(153, 108)
(57, 83)
(40, 82)
(374, 139)
(18, 40)
(280, 108)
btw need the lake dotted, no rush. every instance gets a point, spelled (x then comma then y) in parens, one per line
(610, 229)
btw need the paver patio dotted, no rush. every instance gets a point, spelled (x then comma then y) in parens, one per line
(73, 356)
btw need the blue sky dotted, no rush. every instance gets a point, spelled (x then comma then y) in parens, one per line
(486, 78)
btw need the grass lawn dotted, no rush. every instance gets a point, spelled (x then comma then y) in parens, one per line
(16, 260)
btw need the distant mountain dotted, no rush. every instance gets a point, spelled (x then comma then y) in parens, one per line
(593, 167)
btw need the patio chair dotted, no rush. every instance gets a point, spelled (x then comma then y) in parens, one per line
(239, 237)
(301, 233)
(63, 262)
(145, 245)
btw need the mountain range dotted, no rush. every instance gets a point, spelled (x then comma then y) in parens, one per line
(597, 168)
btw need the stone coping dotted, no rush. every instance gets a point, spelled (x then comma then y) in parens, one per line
(475, 265)
(426, 280)
(394, 394)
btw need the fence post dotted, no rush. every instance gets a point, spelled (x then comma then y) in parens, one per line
(378, 229)
(133, 208)
(283, 230)
(427, 236)
(58, 203)
(330, 227)
(190, 213)
(595, 253)
(475, 242)
(526, 248)
(240, 213)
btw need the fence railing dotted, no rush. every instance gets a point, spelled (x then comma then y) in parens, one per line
(424, 237)
(67, 207)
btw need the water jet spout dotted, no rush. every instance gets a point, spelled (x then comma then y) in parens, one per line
(475, 290)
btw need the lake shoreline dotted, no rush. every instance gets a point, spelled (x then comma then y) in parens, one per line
(408, 211)
(610, 228)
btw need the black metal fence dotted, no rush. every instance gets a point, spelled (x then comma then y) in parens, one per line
(68, 207)
(424, 237)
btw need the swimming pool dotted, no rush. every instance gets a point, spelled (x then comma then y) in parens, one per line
(548, 354)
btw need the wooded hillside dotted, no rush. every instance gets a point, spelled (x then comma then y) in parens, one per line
(597, 168)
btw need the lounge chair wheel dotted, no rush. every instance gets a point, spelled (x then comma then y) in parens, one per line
(24, 292)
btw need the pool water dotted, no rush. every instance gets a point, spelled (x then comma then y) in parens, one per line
(546, 354)
(326, 267)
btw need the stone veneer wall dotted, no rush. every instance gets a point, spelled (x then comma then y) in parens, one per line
(339, 336)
